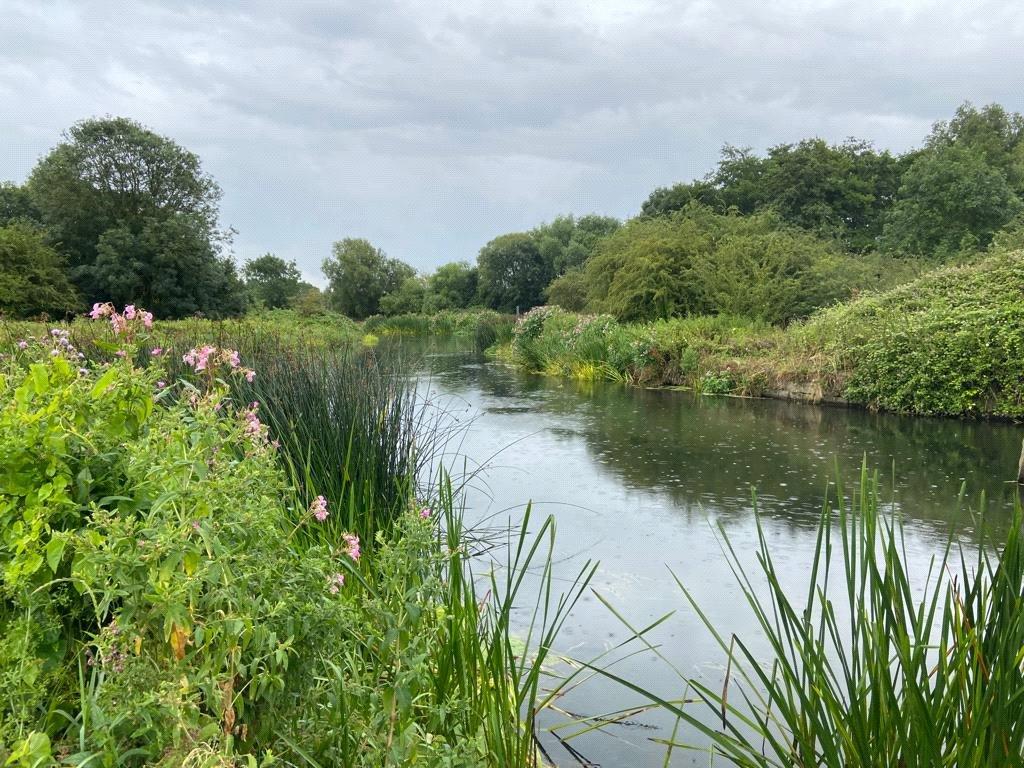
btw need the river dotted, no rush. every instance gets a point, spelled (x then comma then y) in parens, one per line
(641, 479)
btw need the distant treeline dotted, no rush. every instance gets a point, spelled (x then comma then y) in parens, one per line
(116, 212)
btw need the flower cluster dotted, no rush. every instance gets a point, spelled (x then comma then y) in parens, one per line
(336, 582)
(207, 359)
(124, 323)
(57, 343)
(352, 546)
(254, 429)
(318, 509)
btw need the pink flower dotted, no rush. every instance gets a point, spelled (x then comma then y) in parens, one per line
(147, 319)
(195, 525)
(336, 582)
(319, 509)
(129, 312)
(250, 375)
(233, 359)
(352, 546)
(425, 513)
(161, 384)
(121, 353)
(22, 344)
(156, 351)
(118, 323)
(100, 310)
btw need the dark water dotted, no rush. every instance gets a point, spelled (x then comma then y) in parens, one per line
(640, 480)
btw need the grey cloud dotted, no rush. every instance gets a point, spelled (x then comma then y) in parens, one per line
(432, 127)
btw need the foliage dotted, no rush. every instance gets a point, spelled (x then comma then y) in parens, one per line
(567, 242)
(359, 275)
(408, 297)
(113, 174)
(16, 205)
(169, 600)
(273, 282)
(841, 191)
(167, 264)
(696, 261)
(512, 273)
(951, 200)
(923, 673)
(451, 286)
(484, 327)
(33, 280)
(568, 291)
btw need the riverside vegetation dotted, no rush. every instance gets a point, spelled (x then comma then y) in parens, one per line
(215, 555)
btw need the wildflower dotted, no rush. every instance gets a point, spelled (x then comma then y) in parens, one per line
(121, 353)
(156, 351)
(233, 359)
(337, 581)
(100, 310)
(352, 546)
(319, 509)
(195, 525)
(250, 375)
(147, 320)
(54, 352)
(129, 312)
(22, 344)
(161, 384)
(83, 371)
(426, 513)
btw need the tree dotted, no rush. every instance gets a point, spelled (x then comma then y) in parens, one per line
(992, 132)
(568, 291)
(665, 200)
(114, 174)
(451, 286)
(567, 242)
(168, 266)
(512, 273)
(697, 261)
(33, 279)
(951, 200)
(272, 281)
(16, 205)
(406, 299)
(359, 275)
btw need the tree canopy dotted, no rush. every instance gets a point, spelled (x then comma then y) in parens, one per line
(110, 184)
(33, 276)
(513, 273)
(360, 275)
(272, 282)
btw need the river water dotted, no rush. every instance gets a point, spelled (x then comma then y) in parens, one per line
(640, 480)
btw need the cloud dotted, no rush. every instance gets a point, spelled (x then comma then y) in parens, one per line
(430, 127)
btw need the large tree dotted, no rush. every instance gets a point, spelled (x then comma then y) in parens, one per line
(451, 286)
(111, 181)
(33, 277)
(513, 273)
(567, 242)
(360, 274)
(272, 281)
(16, 205)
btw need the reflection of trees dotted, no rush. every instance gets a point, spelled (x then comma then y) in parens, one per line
(709, 452)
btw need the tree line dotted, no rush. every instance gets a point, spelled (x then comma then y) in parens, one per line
(118, 213)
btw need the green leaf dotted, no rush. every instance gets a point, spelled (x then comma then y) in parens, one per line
(103, 383)
(55, 551)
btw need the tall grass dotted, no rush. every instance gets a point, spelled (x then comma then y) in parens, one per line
(871, 667)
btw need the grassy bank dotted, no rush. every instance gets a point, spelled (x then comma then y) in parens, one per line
(484, 327)
(223, 561)
(950, 343)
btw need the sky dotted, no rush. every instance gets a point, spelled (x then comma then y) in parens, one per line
(431, 127)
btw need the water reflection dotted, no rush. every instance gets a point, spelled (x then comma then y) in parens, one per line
(638, 479)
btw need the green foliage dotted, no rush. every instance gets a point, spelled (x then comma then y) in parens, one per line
(567, 242)
(696, 261)
(947, 343)
(360, 275)
(451, 286)
(408, 297)
(512, 273)
(113, 174)
(167, 264)
(568, 291)
(273, 282)
(168, 599)
(33, 279)
(16, 205)
(950, 200)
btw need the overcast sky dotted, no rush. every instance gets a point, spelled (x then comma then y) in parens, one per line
(431, 127)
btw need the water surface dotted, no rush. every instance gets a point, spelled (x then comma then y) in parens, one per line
(640, 479)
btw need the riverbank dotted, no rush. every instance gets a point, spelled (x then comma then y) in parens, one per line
(216, 554)
(949, 343)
